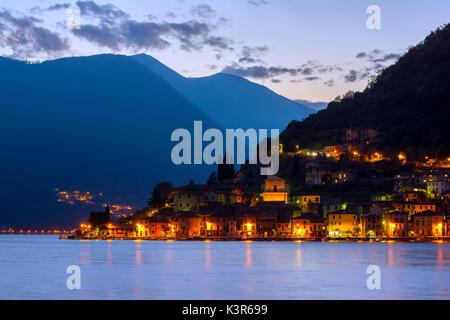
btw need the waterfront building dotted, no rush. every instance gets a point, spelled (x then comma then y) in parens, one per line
(187, 225)
(429, 224)
(372, 225)
(155, 227)
(342, 224)
(396, 224)
(308, 225)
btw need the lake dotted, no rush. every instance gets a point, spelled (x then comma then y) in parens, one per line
(34, 267)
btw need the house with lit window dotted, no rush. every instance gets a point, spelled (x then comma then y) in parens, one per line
(437, 188)
(187, 224)
(343, 224)
(341, 176)
(429, 224)
(154, 228)
(275, 190)
(246, 226)
(308, 226)
(396, 224)
(372, 225)
(415, 207)
(215, 219)
(304, 201)
(190, 197)
(316, 172)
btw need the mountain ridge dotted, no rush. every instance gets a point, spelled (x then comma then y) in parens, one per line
(408, 103)
(232, 101)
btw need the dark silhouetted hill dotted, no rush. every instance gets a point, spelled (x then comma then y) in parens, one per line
(408, 103)
(100, 124)
(232, 101)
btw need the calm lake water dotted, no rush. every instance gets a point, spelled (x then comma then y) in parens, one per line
(34, 267)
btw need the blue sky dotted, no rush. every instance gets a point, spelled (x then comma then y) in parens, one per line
(302, 49)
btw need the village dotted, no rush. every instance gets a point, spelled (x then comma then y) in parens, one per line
(318, 195)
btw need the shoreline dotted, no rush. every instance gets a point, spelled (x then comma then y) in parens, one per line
(330, 240)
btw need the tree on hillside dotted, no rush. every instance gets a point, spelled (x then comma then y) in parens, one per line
(225, 171)
(212, 178)
(160, 194)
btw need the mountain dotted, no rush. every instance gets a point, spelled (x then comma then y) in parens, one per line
(100, 124)
(232, 101)
(313, 105)
(408, 103)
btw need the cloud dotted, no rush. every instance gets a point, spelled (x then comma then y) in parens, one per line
(329, 83)
(116, 30)
(309, 69)
(203, 11)
(219, 42)
(106, 13)
(252, 55)
(351, 76)
(312, 78)
(276, 80)
(257, 3)
(377, 56)
(26, 36)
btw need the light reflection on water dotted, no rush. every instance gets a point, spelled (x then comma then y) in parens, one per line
(34, 267)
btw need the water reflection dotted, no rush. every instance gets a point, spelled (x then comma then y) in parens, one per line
(298, 260)
(258, 270)
(169, 255)
(85, 251)
(110, 259)
(138, 253)
(208, 254)
(440, 255)
(390, 254)
(248, 254)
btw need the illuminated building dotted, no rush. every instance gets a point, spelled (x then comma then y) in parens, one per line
(308, 226)
(275, 190)
(343, 224)
(429, 224)
(154, 228)
(372, 225)
(396, 224)
(304, 201)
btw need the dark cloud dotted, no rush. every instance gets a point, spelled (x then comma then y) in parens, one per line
(257, 3)
(351, 76)
(149, 35)
(116, 30)
(329, 83)
(106, 13)
(312, 78)
(252, 55)
(203, 11)
(219, 42)
(377, 56)
(276, 80)
(262, 72)
(26, 37)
